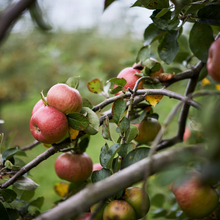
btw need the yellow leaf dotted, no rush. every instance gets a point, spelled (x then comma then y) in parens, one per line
(205, 81)
(61, 189)
(217, 86)
(153, 99)
(73, 133)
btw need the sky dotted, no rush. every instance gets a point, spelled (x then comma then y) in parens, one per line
(69, 15)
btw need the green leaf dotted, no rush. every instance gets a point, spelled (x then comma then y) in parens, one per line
(9, 165)
(87, 103)
(179, 5)
(169, 47)
(13, 214)
(8, 195)
(4, 213)
(124, 125)
(131, 133)
(11, 152)
(73, 82)
(140, 118)
(25, 183)
(118, 81)
(100, 175)
(105, 129)
(134, 156)
(118, 109)
(84, 143)
(200, 39)
(95, 86)
(93, 127)
(162, 12)
(107, 3)
(165, 22)
(210, 14)
(37, 202)
(25, 195)
(150, 33)
(143, 54)
(158, 200)
(125, 149)
(152, 4)
(107, 155)
(78, 121)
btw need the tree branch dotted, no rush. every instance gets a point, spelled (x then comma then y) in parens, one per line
(93, 193)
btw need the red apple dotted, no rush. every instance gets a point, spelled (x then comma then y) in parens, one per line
(186, 134)
(119, 209)
(48, 125)
(134, 196)
(148, 130)
(196, 199)
(84, 216)
(129, 75)
(73, 167)
(64, 98)
(38, 105)
(97, 166)
(212, 64)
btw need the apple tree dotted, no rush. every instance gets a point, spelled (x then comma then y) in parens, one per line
(180, 47)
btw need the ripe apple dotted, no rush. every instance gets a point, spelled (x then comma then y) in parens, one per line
(134, 196)
(213, 60)
(73, 167)
(38, 105)
(148, 130)
(48, 125)
(196, 199)
(156, 73)
(97, 166)
(186, 134)
(64, 98)
(129, 75)
(119, 210)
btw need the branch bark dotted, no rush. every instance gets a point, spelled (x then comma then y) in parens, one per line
(93, 193)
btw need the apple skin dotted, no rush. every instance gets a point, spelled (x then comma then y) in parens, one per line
(157, 73)
(129, 75)
(73, 167)
(212, 64)
(186, 134)
(134, 196)
(196, 199)
(48, 125)
(119, 210)
(148, 130)
(84, 216)
(64, 98)
(99, 215)
(97, 166)
(38, 105)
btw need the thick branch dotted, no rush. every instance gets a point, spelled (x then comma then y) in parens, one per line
(10, 15)
(93, 193)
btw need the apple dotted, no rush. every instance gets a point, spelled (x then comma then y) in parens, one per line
(156, 73)
(73, 167)
(148, 130)
(38, 105)
(129, 75)
(195, 198)
(97, 166)
(212, 64)
(119, 210)
(99, 215)
(84, 216)
(64, 98)
(186, 134)
(134, 196)
(48, 125)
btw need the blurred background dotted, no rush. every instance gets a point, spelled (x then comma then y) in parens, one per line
(84, 41)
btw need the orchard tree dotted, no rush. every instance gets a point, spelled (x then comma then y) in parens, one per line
(64, 121)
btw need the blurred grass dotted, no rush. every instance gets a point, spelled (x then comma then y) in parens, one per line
(83, 54)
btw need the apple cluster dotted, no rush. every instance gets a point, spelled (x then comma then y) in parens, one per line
(128, 207)
(48, 123)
